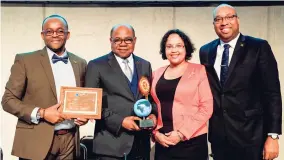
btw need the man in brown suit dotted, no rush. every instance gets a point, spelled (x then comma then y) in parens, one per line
(32, 95)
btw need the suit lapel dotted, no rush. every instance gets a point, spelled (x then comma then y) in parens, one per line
(47, 69)
(211, 60)
(238, 51)
(119, 73)
(138, 66)
(75, 67)
(213, 52)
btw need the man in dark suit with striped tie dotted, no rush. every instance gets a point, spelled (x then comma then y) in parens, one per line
(117, 136)
(243, 76)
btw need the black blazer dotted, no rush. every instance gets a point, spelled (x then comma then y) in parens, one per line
(248, 107)
(110, 137)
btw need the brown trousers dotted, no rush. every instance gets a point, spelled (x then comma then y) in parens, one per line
(62, 148)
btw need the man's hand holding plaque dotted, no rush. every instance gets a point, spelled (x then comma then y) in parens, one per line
(51, 114)
(143, 108)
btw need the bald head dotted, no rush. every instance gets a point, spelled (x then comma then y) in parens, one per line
(215, 11)
(122, 25)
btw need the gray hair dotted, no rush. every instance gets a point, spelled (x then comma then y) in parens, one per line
(118, 25)
(220, 6)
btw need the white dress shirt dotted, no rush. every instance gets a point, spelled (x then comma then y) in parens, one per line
(122, 65)
(63, 76)
(220, 50)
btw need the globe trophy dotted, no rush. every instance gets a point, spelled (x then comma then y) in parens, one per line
(143, 108)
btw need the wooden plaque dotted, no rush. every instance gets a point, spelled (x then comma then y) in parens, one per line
(79, 102)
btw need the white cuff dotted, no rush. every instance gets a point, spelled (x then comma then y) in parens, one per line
(33, 116)
(271, 134)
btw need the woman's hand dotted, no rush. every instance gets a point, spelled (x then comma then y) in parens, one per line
(174, 136)
(162, 139)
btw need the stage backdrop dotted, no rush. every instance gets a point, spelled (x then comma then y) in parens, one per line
(90, 26)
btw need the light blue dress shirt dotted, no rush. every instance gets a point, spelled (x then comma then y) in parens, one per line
(63, 76)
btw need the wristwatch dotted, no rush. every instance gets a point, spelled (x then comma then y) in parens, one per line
(38, 115)
(274, 136)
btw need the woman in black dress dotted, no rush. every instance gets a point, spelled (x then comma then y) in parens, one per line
(184, 100)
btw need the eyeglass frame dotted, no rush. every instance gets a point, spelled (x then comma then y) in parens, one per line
(178, 47)
(58, 32)
(227, 18)
(123, 40)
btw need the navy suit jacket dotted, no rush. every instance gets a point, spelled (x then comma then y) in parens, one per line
(248, 107)
(110, 137)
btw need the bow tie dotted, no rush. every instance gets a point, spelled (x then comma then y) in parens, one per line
(55, 59)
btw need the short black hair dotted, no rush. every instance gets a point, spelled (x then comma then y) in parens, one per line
(118, 25)
(189, 47)
(55, 16)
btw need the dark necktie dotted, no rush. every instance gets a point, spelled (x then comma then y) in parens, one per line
(55, 59)
(224, 65)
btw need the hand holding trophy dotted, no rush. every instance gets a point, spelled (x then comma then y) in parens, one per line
(143, 108)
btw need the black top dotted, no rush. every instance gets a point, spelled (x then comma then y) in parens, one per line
(166, 91)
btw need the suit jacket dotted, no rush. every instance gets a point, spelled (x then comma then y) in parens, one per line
(248, 106)
(110, 138)
(31, 84)
(193, 102)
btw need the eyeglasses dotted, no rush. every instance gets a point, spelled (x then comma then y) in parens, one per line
(119, 41)
(227, 18)
(178, 47)
(51, 32)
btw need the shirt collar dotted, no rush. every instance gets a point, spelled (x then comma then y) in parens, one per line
(51, 53)
(120, 60)
(232, 43)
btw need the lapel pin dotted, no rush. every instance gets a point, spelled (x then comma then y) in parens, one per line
(242, 44)
(75, 62)
(191, 74)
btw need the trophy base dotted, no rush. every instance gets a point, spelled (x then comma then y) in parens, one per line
(146, 123)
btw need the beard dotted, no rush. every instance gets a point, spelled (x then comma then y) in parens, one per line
(57, 50)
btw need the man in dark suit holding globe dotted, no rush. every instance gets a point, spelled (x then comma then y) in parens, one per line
(117, 136)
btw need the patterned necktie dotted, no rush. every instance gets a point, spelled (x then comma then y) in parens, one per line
(56, 59)
(127, 70)
(224, 65)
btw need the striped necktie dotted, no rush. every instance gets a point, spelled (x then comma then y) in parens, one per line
(224, 65)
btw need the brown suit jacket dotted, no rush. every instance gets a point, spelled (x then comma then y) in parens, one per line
(31, 84)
